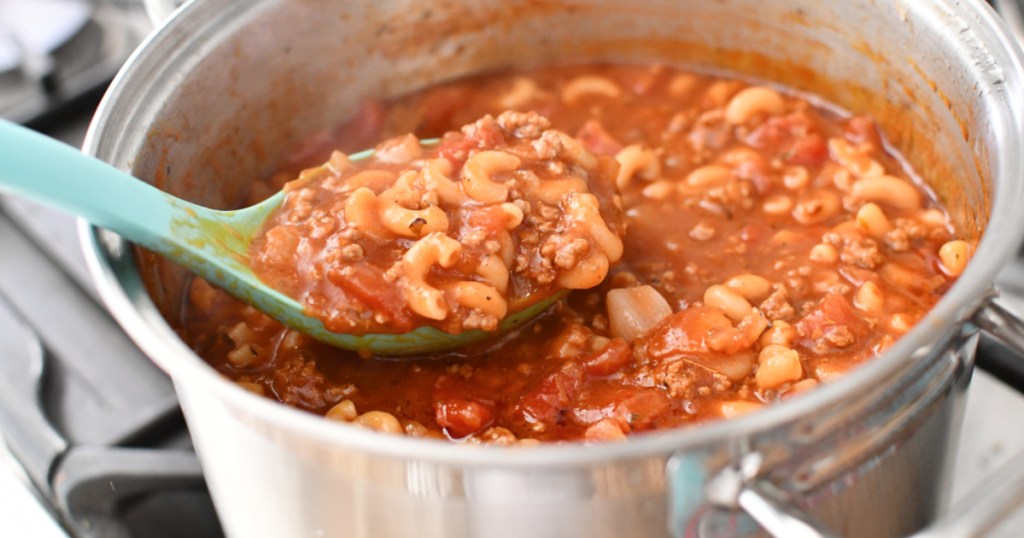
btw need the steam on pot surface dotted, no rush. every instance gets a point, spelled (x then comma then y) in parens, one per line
(772, 243)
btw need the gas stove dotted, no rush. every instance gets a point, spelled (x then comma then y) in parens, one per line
(94, 427)
(94, 439)
(53, 52)
(95, 444)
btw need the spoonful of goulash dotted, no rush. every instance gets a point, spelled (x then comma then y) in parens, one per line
(405, 249)
(496, 220)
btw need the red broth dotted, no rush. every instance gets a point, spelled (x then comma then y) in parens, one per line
(771, 245)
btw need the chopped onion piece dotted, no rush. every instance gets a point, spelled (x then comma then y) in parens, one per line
(634, 311)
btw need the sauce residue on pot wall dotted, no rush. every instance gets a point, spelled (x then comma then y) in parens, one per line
(396, 48)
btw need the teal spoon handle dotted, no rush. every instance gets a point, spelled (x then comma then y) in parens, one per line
(38, 167)
(214, 244)
(211, 243)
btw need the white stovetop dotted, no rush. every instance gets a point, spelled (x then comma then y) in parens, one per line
(21, 513)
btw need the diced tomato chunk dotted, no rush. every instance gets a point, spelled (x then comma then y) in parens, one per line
(604, 430)
(461, 406)
(861, 129)
(609, 359)
(809, 150)
(597, 140)
(833, 309)
(482, 134)
(778, 130)
(463, 417)
(492, 220)
(733, 340)
(633, 408)
(549, 401)
(833, 324)
(643, 407)
(769, 134)
(486, 134)
(371, 289)
(757, 173)
(281, 244)
(682, 333)
(456, 150)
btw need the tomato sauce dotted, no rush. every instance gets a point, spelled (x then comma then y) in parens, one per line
(771, 245)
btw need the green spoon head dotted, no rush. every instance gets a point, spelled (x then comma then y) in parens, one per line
(218, 245)
(422, 340)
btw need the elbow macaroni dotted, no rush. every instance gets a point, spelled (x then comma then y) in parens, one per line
(478, 175)
(636, 159)
(367, 212)
(434, 249)
(494, 271)
(584, 209)
(480, 297)
(464, 232)
(584, 86)
(754, 101)
(437, 177)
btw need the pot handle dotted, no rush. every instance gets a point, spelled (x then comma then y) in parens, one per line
(738, 488)
(159, 11)
(1002, 492)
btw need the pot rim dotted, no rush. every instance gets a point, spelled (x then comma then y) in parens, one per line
(139, 317)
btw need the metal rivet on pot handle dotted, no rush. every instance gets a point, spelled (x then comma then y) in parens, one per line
(736, 488)
(159, 11)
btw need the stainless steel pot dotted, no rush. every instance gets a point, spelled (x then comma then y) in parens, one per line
(225, 87)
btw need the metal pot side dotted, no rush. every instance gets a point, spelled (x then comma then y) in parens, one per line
(218, 94)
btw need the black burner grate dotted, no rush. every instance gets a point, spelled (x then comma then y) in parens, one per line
(45, 82)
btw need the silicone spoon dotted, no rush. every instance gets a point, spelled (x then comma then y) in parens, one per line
(211, 243)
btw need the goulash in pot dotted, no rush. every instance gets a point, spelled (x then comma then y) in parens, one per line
(746, 244)
(496, 216)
